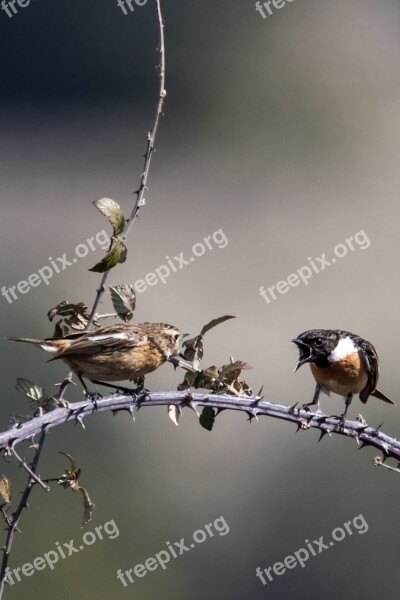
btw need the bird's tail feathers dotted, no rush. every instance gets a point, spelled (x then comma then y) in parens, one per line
(47, 345)
(380, 396)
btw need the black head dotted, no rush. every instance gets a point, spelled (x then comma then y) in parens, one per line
(315, 345)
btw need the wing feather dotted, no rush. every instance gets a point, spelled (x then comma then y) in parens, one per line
(371, 358)
(104, 340)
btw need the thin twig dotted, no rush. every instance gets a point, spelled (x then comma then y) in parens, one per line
(254, 407)
(6, 517)
(28, 470)
(15, 517)
(151, 136)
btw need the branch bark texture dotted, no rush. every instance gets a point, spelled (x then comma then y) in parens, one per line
(254, 407)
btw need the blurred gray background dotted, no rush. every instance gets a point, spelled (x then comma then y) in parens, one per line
(284, 133)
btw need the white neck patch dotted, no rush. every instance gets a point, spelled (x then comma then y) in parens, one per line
(345, 347)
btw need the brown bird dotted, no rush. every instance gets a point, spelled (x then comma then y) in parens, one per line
(114, 352)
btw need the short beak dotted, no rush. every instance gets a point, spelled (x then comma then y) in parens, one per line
(304, 353)
(183, 335)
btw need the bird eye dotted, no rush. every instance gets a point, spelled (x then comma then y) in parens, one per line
(177, 336)
(318, 342)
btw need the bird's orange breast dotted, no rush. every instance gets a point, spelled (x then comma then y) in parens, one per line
(347, 375)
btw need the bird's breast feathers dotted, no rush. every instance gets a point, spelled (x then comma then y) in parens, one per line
(124, 365)
(346, 374)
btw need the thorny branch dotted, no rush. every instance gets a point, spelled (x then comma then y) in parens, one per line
(12, 526)
(12, 523)
(254, 407)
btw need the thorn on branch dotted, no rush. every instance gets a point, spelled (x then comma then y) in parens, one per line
(323, 433)
(363, 428)
(193, 406)
(79, 419)
(364, 444)
(258, 399)
(250, 416)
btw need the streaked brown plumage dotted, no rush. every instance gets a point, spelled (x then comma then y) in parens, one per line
(114, 353)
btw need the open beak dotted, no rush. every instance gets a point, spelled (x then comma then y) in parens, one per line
(304, 353)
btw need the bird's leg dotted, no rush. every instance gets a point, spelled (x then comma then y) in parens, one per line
(92, 396)
(342, 417)
(83, 385)
(315, 399)
(347, 404)
(347, 401)
(130, 391)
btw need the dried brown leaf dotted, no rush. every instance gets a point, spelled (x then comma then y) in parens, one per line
(5, 489)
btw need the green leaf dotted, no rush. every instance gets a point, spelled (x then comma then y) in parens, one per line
(117, 254)
(243, 388)
(123, 298)
(27, 388)
(229, 373)
(67, 309)
(187, 382)
(61, 330)
(77, 322)
(53, 312)
(193, 350)
(215, 322)
(112, 210)
(73, 316)
(207, 418)
(205, 379)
